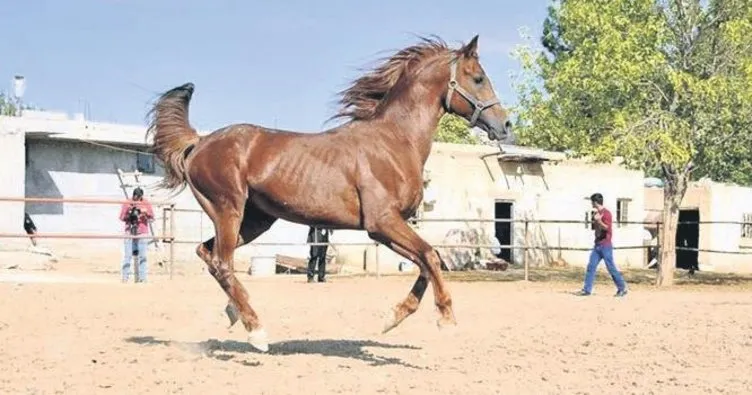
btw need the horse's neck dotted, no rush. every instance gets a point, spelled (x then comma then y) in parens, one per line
(417, 115)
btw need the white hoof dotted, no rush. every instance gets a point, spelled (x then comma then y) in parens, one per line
(447, 324)
(390, 320)
(258, 339)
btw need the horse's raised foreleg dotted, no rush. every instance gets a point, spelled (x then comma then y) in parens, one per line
(396, 234)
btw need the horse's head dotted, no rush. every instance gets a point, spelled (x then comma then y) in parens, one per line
(476, 100)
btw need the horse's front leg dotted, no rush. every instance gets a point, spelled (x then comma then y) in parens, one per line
(396, 234)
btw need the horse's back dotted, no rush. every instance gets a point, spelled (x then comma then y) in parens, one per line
(295, 176)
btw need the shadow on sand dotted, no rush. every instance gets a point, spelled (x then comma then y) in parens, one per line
(226, 350)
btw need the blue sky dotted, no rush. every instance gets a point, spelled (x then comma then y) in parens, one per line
(252, 61)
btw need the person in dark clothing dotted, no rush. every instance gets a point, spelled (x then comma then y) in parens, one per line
(30, 228)
(318, 252)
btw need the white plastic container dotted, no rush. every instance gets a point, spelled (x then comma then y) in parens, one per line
(263, 266)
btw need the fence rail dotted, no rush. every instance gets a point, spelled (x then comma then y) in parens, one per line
(82, 236)
(76, 200)
(170, 207)
(535, 221)
(169, 231)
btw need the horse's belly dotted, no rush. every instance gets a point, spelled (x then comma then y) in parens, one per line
(307, 208)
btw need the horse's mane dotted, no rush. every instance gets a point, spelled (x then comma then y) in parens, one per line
(362, 100)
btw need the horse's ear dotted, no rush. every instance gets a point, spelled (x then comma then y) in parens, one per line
(470, 50)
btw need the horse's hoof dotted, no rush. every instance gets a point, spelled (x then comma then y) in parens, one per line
(258, 339)
(393, 318)
(232, 313)
(446, 322)
(390, 321)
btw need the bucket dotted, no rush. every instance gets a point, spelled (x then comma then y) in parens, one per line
(263, 266)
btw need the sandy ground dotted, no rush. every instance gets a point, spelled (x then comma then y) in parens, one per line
(92, 335)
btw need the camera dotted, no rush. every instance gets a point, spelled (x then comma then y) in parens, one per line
(132, 217)
(133, 214)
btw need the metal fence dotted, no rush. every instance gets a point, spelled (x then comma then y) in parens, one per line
(167, 214)
(170, 234)
(525, 247)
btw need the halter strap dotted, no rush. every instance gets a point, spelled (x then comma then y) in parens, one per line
(478, 105)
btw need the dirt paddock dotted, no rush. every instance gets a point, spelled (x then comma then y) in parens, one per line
(170, 336)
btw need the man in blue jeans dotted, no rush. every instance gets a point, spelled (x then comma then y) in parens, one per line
(603, 249)
(136, 214)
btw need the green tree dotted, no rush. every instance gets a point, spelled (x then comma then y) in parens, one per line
(9, 108)
(664, 84)
(453, 129)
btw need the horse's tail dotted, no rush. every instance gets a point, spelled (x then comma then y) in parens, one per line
(173, 134)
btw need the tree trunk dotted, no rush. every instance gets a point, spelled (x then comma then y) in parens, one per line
(673, 193)
(667, 258)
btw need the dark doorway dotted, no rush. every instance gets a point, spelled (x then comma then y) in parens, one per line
(503, 231)
(687, 236)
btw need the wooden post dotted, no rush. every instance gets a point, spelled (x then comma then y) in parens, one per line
(172, 238)
(164, 221)
(525, 253)
(378, 267)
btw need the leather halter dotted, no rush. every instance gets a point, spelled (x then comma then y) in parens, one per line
(478, 105)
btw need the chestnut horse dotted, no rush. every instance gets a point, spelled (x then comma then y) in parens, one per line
(365, 174)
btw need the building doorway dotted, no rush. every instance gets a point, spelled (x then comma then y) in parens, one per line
(688, 236)
(504, 230)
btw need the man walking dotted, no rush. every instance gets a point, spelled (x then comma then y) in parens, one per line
(318, 252)
(603, 249)
(136, 214)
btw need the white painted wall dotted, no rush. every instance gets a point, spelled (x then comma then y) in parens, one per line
(11, 181)
(729, 203)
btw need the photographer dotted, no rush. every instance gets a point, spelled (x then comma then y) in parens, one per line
(136, 215)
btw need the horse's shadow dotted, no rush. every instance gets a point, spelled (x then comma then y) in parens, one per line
(224, 350)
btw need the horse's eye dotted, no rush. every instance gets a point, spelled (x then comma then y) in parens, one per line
(478, 80)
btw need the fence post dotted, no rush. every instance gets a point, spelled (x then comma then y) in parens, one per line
(378, 266)
(172, 238)
(525, 253)
(164, 222)
(201, 225)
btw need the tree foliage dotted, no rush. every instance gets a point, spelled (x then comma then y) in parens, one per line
(453, 129)
(664, 84)
(9, 108)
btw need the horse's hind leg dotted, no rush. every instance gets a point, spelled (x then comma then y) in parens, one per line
(255, 222)
(205, 251)
(228, 226)
(396, 234)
